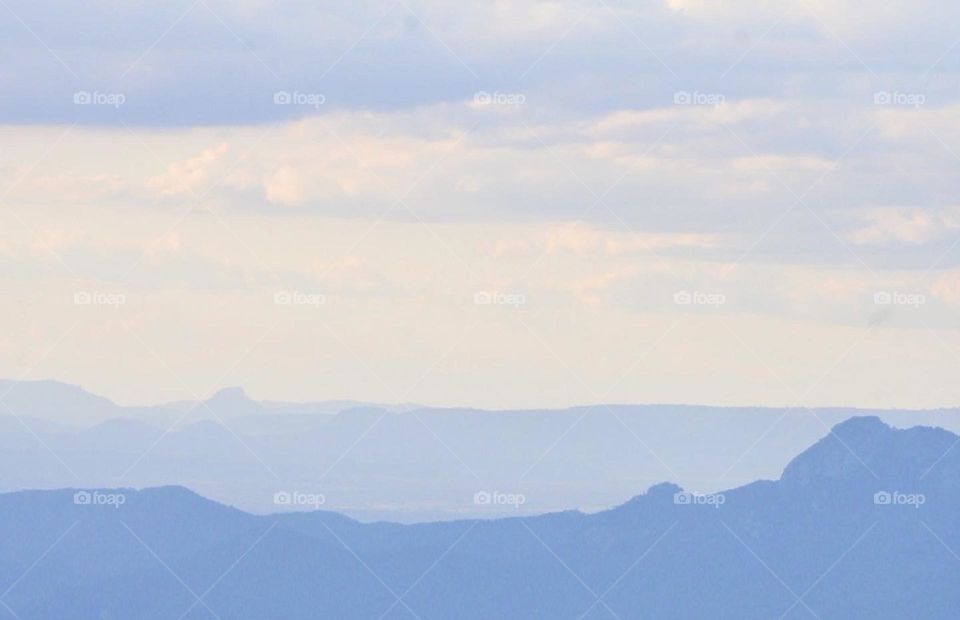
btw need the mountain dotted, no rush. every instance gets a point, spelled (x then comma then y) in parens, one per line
(70, 405)
(233, 401)
(55, 402)
(403, 464)
(863, 524)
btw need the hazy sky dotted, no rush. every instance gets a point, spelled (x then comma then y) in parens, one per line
(484, 203)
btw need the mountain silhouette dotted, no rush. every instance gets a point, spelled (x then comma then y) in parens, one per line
(863, 524)
(407, 464)
(233, 401)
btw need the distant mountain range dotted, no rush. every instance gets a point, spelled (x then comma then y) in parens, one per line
(861, 525)
(401, 462)
(71, 405)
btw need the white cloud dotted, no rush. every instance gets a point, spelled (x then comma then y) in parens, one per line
(189, 176)
(591, 290)
(580, 239)
(947, 288)
(911, 226)
(284, 187)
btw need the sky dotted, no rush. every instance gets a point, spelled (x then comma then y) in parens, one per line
(483, 203)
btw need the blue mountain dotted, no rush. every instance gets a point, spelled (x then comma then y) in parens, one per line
(398, 463)
(861, 525)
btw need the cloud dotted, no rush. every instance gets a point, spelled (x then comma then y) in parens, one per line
(591, 290)
(284, 187)
(580, 239)
(76, 188)
(56, 241)
(633, 150)
(163, 247)
(909, 226)
(189, 176)
(716, 184)
(570, 56)
(695, 117)
(947, 288)
(853, 20)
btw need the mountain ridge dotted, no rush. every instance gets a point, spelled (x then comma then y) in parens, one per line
(381, 464)
(836, 546)
(825, 450)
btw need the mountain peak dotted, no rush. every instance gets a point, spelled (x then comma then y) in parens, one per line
(233, 392)
(866, 447)
(56, 401)
(233, 401)
(861, 426)
(659, 493)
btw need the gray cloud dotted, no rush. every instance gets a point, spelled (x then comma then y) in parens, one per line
(220, 63)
